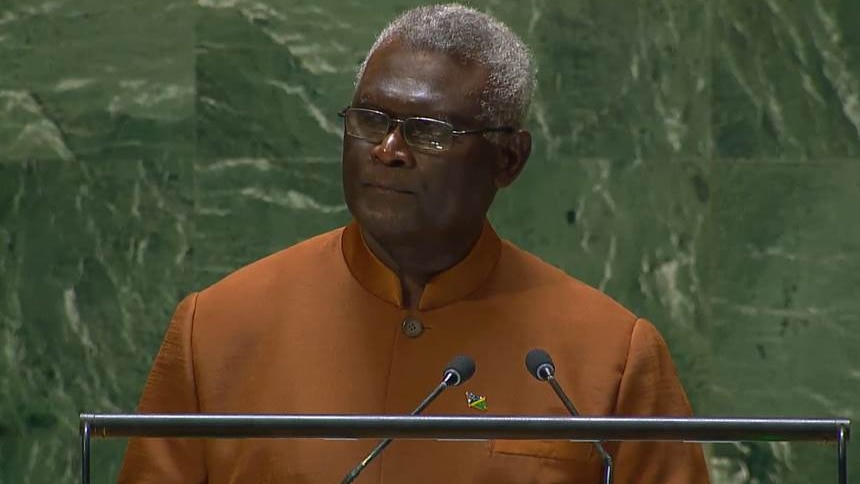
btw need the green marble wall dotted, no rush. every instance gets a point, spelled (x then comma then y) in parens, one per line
(698, 160)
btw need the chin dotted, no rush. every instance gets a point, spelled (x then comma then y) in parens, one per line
(389, 224)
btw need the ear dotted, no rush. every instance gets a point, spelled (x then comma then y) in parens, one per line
(516, 149)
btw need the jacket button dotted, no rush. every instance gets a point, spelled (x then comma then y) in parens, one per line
(412, 327)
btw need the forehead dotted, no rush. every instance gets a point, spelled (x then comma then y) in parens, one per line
(405, 81)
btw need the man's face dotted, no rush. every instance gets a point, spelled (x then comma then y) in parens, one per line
(399, 193)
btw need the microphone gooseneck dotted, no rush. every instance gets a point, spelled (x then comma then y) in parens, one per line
(458, 370)
(540, 366)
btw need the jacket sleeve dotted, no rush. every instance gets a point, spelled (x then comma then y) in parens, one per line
(650, 387)
(170, 388)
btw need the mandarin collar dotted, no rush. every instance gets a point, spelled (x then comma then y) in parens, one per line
(444, 288)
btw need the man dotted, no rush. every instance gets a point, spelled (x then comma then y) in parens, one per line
(363, 319)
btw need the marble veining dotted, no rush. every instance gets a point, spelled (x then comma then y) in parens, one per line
(699, 161)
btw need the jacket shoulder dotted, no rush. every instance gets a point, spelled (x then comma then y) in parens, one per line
(527, 273)
(315, 255)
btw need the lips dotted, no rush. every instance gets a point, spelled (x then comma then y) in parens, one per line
(386, 188)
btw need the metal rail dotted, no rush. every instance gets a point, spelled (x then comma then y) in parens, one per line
(465, 428)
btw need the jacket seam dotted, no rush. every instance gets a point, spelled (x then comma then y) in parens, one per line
(193, 319)
(624, 368)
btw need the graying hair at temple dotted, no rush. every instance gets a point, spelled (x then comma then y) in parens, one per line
(474, 37)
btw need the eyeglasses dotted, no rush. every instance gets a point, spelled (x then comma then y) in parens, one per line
(424, 134)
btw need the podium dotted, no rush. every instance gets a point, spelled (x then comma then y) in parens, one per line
(583, 429)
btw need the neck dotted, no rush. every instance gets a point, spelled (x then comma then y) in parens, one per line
(415, 264)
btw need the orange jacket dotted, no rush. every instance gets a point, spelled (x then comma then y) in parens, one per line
(317, 328)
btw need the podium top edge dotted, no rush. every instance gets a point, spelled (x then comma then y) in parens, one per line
(700, 429)
(359, 418)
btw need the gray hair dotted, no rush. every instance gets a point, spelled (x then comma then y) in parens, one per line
(474, 37)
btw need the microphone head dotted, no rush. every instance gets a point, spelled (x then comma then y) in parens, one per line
(539, 364)
(461, 368)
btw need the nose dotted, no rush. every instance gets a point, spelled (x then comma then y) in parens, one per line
(393, 151)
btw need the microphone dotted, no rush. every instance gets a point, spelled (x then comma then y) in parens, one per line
(540, 366)
(459, 369)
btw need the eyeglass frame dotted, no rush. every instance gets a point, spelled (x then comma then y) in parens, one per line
(393, 122)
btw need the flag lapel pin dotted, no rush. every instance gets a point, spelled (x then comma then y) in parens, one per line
(476, 401)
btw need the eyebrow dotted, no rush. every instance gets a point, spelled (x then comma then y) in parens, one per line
(457, 121)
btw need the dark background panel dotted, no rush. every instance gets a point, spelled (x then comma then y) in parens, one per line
(698, 161)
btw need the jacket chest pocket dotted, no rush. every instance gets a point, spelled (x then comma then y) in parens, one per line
(542, 462)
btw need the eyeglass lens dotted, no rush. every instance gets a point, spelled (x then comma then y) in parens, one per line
(421, 133)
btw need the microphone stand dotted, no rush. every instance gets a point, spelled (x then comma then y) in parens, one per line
(607, 459)
(458, 371)
(382, 445)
